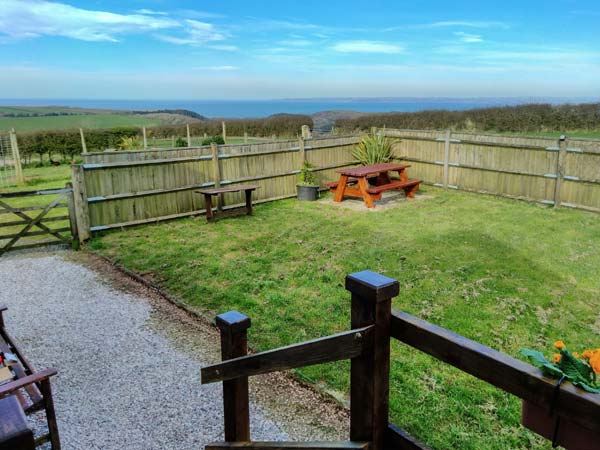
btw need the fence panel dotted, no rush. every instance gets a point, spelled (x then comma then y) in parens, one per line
(546, 170)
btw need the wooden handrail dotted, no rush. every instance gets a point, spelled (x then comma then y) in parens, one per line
(318, 445)
(500, 370)
(13, 386)
(348, 344)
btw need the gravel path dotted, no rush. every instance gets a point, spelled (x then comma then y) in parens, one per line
(129, 362)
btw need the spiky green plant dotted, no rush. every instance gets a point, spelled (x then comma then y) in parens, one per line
(129, 143)
(373, 149)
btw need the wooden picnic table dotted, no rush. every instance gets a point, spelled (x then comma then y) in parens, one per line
(208, 194)
(354, 182)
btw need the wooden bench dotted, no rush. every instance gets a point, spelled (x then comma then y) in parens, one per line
(332, 185)
(31, 389)
(208, 194)
(409, 187)
(15, 433)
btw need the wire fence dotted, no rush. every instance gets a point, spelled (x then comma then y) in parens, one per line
(7, 163)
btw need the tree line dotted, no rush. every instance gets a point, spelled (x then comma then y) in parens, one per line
(523, 118)
(66, 144)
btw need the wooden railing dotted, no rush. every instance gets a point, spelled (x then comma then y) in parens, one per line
(367, 345)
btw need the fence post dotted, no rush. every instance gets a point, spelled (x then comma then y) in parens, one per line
(14, 143)
(234, 343)
(224, 131)
(301, 150)
(274, 137)
(145, 137)
(72, 216)
(217, 173)
(245, 137)
(372, 295)
(189, 136)
(173, 141)
(83, 145)
(306, 134)
(82, 213)
(560, 169)
(447, 158)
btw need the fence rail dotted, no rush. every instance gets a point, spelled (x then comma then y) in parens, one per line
(374, 324)
(563, 172)
(117, 189)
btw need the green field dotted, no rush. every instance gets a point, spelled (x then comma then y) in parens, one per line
(508, 274)
(85, 121)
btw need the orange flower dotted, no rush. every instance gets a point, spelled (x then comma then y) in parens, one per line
(559, 345)
(557, 357)
(587, 354)
(595, 362)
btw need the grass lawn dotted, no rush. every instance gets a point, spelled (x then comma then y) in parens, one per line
(508, 274)
(85, 121)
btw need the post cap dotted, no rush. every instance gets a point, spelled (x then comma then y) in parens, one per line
(233, 321)
(372, 285)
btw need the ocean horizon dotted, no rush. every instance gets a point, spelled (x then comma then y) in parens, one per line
(264, 108)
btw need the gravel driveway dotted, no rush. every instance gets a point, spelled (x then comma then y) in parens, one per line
(129, 362)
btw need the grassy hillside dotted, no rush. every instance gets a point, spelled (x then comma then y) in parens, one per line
(27, 124)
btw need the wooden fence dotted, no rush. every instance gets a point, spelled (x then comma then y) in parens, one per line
(367, 345)
(560, 172)
(117, 189)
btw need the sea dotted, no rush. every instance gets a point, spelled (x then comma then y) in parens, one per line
(263, 108)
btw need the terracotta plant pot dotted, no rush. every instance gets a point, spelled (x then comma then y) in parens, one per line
(570, 435)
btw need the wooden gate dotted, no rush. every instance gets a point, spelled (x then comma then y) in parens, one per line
(37, 218)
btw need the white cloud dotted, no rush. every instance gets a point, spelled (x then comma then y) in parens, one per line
(468, 37)
(224, 47)
(367, 47)
(34, 18)
(466, 23)
(151, 12)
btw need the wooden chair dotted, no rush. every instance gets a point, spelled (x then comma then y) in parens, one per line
(31, 388)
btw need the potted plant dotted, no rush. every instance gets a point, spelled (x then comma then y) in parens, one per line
(582, 371)
(307, 188)
(374, 149)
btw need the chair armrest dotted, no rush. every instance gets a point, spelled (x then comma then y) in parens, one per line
(3, 308)
(13, 386)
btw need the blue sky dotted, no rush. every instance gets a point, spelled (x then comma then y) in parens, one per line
(236, 49)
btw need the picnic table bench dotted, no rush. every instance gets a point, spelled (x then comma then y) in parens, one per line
(209, 193)
(30, 391)
(381, 173)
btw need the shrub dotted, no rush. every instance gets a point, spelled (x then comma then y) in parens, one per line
(180, 142)
(373, 149)
(217, 139)
(307, 177)
(129, 143)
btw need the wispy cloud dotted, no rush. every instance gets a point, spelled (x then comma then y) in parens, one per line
(295, 42)
(34, 18)
(468, 37)
(196, 33)
(367, 47)
(151, 12)
(466, 23)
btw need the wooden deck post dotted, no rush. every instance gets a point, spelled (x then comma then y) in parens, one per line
(560, 169)
(372, 295)
(234, 343)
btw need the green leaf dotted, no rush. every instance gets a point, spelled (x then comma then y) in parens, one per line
(575, 369)
(536, 358)
(587, 387)
(551, 370)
